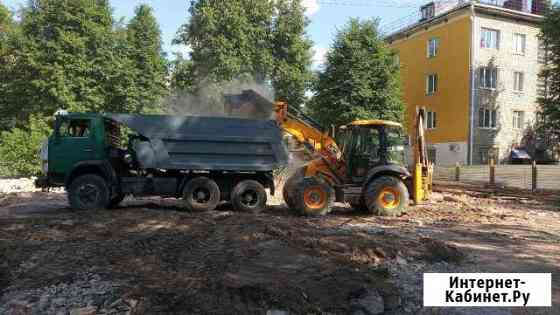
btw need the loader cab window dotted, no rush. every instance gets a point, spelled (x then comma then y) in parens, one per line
(364, 152)
(367, 142)
(395, 145)
(75, 128)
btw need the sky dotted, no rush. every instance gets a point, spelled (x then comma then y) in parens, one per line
(326, 16)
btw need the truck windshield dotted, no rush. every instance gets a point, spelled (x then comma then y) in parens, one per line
(75, 128)
(395, 146)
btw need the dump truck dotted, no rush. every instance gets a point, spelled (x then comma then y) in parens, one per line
(101, 158)
(364, 165)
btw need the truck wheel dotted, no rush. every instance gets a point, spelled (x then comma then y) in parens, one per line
(88, 192)
(201, 194)
(249, 196)
(387, 196)
(313, 197)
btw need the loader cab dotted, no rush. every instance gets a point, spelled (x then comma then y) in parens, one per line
(368, 144)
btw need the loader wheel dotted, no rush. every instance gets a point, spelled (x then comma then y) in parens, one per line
(201, 194)
(88, 192)
(289, 187)
(249, 196)
(313, 197)
(387, 196)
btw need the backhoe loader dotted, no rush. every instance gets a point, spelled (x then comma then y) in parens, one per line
(365, 168)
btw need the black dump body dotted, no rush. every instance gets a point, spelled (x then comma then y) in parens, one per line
(205, 143)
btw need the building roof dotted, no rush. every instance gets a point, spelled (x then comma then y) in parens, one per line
(492, 9)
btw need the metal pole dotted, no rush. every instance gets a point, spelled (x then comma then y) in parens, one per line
(534, 176)
(492, 172)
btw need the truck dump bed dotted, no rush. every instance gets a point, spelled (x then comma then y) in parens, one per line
(206, 143)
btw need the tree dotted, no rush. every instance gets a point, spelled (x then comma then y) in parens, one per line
(5, 20)
(249, 41)
(182, 74)
(360, 79)
(19, 149)
(292, 53)
(550, 100)
(150, 65)
(68, 56)
(6, 25)
(229, 38)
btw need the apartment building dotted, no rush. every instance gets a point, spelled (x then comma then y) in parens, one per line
(474, 67)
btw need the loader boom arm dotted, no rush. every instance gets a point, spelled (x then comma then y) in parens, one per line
(306, 131)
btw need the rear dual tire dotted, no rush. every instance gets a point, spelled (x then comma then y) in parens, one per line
(201, 194)
(249, 196)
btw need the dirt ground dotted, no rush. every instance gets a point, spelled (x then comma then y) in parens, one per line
(150, 257)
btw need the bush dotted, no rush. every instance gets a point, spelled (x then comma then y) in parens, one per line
(19, 148)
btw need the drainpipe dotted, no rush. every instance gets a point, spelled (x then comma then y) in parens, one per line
(472, 87)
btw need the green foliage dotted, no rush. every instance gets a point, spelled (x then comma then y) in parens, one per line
(5, 20)
(229, 38)
(182, 74)
(292, 53)
(246, 40)
(19, 149)
(71, 54)
(360, 79)
(550, 103)
(150, 65)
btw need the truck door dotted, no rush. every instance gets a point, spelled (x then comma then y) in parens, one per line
(73, 142)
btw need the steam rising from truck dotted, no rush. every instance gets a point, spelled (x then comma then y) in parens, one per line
(208, 100)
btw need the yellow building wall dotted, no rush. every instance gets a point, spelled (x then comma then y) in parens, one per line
(452, 63)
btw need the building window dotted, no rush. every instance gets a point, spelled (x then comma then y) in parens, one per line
(488, 77)
(487, 118)
(519, 41)
(490, 38)
(431, 121)
(518, 81)
(433, 47)
(518, 119)
(428, 11)
(431, 84)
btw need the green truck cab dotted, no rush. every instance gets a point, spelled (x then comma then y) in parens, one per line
(77, 156)
(203, 160)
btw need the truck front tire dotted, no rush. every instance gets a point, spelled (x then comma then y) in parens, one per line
(387, 196)
(249, 196)
(88, 192)
(201, 194)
